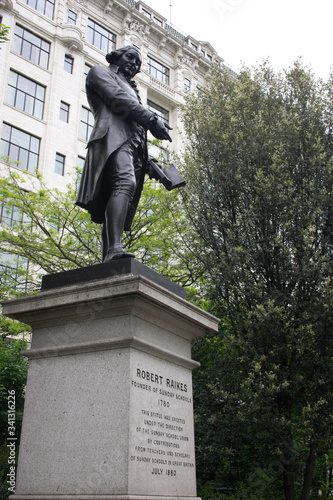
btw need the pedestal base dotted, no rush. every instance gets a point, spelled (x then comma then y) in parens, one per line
(109, 409)
(97, 497)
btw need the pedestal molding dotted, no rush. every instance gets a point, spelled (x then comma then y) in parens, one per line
(25, 307)
(104, 345)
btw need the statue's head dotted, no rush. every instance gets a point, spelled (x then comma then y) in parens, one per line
(128, 58)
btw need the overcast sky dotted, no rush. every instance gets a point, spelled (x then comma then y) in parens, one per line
(248, 31)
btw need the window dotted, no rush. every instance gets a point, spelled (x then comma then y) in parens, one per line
(31, 47)
(100, 37)
(158, 110)
(158, 152)
(158, 21)
(25, 94)
(86, 123)
(87, 67)
(45, 7)
(59, 166)
(203, 52)
(20, 147)
(13, 272)
(80, 165)
(64, 111)
(158, 71)
(71, 19)
(80, 162)
(68, 63)
(209, 57)
(187, 84)
(146, 13)
(10, 216)
(193, 46)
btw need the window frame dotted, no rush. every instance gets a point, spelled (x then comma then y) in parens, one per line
(31, 155)
(69, 63)
(187, 84)
(94, 34)
(71, 19)
(45, 7)
(59, 164)
(161, 112)
(86, 124)
(19, 96)
(64, 111)
(158, 71)
(87, 68)
(24, 40)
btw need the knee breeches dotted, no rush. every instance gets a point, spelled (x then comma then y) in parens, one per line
(122, 170)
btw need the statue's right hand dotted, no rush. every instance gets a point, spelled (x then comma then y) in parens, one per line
(159, 129)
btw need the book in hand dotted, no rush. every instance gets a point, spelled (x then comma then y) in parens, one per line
(168, 176)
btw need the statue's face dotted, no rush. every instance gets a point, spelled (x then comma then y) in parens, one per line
(129, 62)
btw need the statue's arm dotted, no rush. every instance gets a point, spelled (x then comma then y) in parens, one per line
(104, 83)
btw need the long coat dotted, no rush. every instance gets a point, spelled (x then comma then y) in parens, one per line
(117, 113)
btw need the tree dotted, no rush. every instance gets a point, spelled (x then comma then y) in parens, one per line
(13, 374)
(258, 165)
(44, 227)
(4, 31)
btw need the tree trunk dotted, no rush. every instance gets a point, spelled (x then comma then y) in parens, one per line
(308, 475)
(288, 482)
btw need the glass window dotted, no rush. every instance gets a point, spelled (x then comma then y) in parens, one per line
(158, 70)
(87, 67)
(45, 7)
(13, 272)
(100, 37)
(187, 84)
(80, 162)
(20, 147)
(25, 94)
(64, 111)
(86, 123)
(146, 13)
(193, 46)
(158, 21)
(209, 57)
(31, 47)
(80, 165)
(10, 215)
(59, 166)
(71, 19)
(158, 152)
(68, 63)
(158, 110)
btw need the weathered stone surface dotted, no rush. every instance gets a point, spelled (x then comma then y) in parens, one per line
(109, 411)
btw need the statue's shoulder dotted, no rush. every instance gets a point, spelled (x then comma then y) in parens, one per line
(99, 68)
(100, 71)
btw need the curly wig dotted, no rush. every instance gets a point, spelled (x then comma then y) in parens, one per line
(112, 57)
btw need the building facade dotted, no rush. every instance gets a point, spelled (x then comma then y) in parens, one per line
(45, 117)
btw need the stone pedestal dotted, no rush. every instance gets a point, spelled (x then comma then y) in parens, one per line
(108, 411)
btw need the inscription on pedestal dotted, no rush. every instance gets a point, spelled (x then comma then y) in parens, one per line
(162, 444)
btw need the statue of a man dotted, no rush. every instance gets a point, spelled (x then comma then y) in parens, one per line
(116, 161)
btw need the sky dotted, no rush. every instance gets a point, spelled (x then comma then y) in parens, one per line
(249, 31)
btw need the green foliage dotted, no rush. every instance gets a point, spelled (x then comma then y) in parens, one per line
(258, 165)
(4, 31)
(10, 327)
(13, 375)
(54, 235)
(48, 231)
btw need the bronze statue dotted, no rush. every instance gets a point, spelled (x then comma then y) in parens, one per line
(117, 158)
